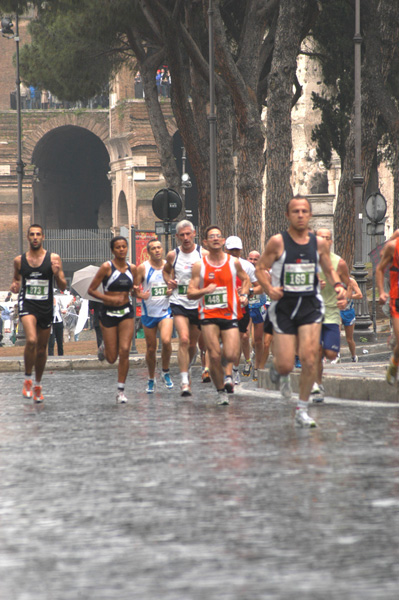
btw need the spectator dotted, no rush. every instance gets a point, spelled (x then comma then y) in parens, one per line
(57, 329)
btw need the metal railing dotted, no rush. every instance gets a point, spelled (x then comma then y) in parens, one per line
(79, 245)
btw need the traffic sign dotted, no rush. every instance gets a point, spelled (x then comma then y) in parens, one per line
(167, 204)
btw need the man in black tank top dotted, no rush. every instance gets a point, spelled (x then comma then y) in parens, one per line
(296, 310)
(34, 275)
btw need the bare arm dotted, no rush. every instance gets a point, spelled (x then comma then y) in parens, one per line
(272, 252)
(328, 270)
(245, 281)
(56, 265)
(194, 292)
(168, 271)
(356, 293)
(386, 260)
(138, 280)
(16, 282)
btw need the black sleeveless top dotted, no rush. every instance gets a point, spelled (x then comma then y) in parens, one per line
(37, 282)
(298, 266)
(118, 281)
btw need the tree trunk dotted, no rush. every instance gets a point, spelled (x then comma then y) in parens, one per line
(279, 106)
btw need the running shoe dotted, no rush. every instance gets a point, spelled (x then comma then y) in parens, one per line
(223, 398)
(317, 393)
(167, 380)
(336, 360)
(27, 388)
(120, 397)
(297, 362)
(206, 376)
(151, 384)
(101, 352)
(392, 371)
(37, 394)
(285, 386)
(274, 376)
(302, 419)
(355, 358)
(255, 375)
(228, 385)
(247, 369)
(185, 389)
(236, 376)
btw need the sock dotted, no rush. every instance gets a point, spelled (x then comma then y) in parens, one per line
(28, 376)
(184, 377)
(302, 405)
(165, 370)
(121, 387)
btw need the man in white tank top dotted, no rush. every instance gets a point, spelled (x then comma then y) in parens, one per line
(156, 313)
(177, 275)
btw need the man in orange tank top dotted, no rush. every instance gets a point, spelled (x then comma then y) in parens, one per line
(390, 257)
(214, 284)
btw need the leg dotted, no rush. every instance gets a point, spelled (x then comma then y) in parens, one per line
(41, 352)
(284, 352)
(267, 340)
(51, 341)
(258, 343)
(194, 335)
(29, 323)
(110, 336)
(349, 339)
(183, 332)
(166, 330)
(309, 348)
(125, 336)
(59, 336)
(211, 336)
(150, 334)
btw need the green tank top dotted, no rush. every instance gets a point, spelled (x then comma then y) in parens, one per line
(332, 313)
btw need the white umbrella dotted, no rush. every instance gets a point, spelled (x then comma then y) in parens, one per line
(82, 279)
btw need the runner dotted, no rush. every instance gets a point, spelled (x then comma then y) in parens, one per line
(257, 304)
(348, 317)
(330, 341)
(177, 275)
(214, 284)
(233, 247)
(156, 315)
(34, 275)
(296, 310)
(116, 312)
(390, 258)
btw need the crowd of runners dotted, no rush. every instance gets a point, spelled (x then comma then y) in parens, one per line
(290, 299)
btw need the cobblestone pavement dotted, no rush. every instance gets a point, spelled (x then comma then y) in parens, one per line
(180, 499)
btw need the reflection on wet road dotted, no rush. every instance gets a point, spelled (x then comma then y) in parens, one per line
(177, 498)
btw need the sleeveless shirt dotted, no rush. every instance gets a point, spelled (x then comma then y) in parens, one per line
(332, 313)
(37, 284)
(223, 303)
(157, 305)
(296, 269)
(394, 274)
(183, 265)
(118, 281)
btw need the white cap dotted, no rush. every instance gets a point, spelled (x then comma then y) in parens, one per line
(233, 243)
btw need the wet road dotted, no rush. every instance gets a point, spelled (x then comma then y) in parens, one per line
(179, 499)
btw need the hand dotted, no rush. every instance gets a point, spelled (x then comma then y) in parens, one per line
(14, 287)
(342, 303)
(276, 293)
(322, 284)
(211, 288)
(55, 265)
(243, 300)
(172, 284)
(145, 295)
(382, 299)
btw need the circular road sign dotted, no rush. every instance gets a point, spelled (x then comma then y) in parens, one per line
(167, 204)
(376, 207)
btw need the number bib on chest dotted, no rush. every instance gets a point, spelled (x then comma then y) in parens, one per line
(118, 312)
(182, 289)
(218, 298)
(36, 289)
(299, 277)
(255, 299)
(158, 290)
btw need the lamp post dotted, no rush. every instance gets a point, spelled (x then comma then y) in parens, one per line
(359, 272)
(212, 115)
(6, 29)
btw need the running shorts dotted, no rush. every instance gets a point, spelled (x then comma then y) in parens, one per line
(244, 322)
(348, 316)
(223, 324)
(111, 316)
(190, 313)
(330, 337)
(257, 314)
(151, 322)
(288, 314)
(44, 318)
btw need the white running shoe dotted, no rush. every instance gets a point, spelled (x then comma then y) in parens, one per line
(247, 369)
(355, 358)
(255, 375)
(285, 386)
(236, 376)
(120, 397)
(317, 393)
(101, 352)
(228, 385)
(185, 389)
(336, 360)
(273, 375)
(302, 418)
(222, 398)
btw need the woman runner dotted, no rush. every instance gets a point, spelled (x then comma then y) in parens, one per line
(116, 312)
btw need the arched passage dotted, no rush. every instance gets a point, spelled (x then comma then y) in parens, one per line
(123, 215)
(71, 188)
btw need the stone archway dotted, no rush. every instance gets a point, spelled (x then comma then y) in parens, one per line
(71, 189)
(122, 210)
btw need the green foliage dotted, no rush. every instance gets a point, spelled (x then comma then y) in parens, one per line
(333, 38)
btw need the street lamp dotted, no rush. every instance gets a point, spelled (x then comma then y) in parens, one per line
(359, 272)
(7, 31)
(212, 115)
